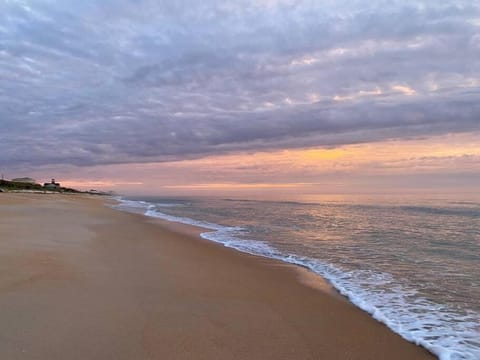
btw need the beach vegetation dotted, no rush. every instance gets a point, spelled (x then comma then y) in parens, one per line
(7, 185)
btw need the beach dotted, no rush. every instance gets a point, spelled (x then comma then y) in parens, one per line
(80, 280)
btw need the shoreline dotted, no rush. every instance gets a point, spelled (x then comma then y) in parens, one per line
(305, 275)
(112, 284)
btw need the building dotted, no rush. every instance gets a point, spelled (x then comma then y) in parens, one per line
(24, 180)
(52, 185)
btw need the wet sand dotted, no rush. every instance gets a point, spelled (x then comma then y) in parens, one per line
(79, 280)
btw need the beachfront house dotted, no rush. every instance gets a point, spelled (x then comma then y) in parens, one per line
(24, 180)
(52, 185)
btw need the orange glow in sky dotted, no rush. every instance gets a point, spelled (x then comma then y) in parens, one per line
(349, 168)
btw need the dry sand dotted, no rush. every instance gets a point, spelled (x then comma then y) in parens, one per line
(79, 280)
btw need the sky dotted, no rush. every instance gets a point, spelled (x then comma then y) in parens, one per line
(265, 96)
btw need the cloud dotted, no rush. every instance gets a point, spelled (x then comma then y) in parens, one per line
(88, 83)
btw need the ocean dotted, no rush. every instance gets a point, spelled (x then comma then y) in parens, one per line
(413, 264)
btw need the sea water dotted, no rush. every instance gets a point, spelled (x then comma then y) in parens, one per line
(413, 264)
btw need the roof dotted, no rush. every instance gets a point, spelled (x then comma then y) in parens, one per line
(25, 180)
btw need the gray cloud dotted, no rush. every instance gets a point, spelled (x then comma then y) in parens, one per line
(133, 81)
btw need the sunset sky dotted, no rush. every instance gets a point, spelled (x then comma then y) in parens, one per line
(219, 97)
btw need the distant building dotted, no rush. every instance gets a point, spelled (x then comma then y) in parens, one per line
(52, 185)
(25, 180)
